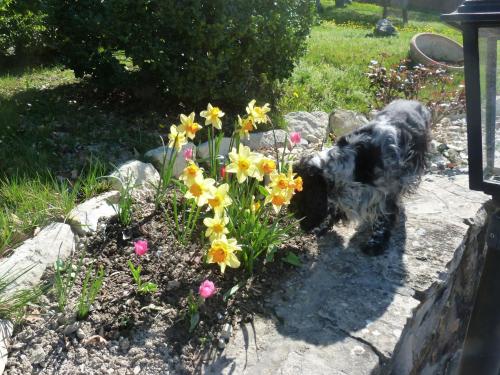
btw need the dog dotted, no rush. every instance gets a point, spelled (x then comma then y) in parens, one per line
(363, 177)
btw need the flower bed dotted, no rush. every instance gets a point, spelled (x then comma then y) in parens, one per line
(166, 280)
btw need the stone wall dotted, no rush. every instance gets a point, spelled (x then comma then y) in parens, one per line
(432, 340)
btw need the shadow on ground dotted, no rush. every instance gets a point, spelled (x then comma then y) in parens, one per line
(341, 296)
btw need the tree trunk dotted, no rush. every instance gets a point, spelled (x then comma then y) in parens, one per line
(319, 7)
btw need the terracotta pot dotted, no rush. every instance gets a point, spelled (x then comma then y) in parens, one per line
(437, 51)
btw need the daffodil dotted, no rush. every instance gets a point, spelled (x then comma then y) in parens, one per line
(254, 207)
(212, 116)
(258, 113)
(201, 190)
(189, 126)
(221, 199)
(216, 226)
(246, 125)
(189, 173)
(280, 181)
(177, 138)
(242, 163)
(265, 166)
(298, 184)
(222, 252)
(278, 198)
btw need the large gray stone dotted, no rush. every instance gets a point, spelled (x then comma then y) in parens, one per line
(85, 216)
(343, 121)
(6, 330)
(203, 149)
(136, 175)
(265, 140)
(29, 261)
(311, 125)
(345, 312)
(160, 156)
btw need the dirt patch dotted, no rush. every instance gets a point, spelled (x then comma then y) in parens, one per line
(131, 333)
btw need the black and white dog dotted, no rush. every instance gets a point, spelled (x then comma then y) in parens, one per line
(364, 175)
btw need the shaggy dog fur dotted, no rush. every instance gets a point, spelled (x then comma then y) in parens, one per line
(364, 175)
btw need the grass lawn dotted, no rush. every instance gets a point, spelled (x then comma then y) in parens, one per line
(54, 127)
(332, 74)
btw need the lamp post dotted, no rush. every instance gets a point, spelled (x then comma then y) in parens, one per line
(479, 21)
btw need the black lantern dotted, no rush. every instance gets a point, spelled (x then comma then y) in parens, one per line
(479, 21)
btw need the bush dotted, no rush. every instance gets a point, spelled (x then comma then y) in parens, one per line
(195, 50)
(22, 29)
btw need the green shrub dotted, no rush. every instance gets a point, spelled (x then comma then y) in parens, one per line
(22, 29)
(194, 50)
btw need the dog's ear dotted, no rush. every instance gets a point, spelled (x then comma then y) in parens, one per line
(311, 204)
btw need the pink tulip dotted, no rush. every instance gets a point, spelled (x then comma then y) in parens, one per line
(295, 137)
(207, 289)
(141, 247)
(188, 154)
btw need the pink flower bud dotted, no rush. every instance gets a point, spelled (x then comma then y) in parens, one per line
(207, 289)
(141, 247)
(295, 137)
(188, 154)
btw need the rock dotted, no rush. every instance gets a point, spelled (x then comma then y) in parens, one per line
(265, 140)
(311, 125)
(161, 155)
(85, 216)
(6, 330)
(342, 122)
(80, 334)
(203, 150)
(226, 332)
(173, 284)
(221, 344)
(70, 329)
(137, 369)
(135, 174)
(29, 261)
(384, 27)
(124, 344)
(37, 354)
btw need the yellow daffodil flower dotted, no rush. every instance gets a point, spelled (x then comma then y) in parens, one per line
(201, 190)
(216, 226)
(265, 166)
(222, 252)
(246, 125)
(280, 181)
(189, 173)
(221, 199)
(258, 113)
(242, 163)
(297, 184)
(278, 198)
(212, 116)
(189, 126)
(176, 138)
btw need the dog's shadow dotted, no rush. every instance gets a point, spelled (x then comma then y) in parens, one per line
(344, 292)
(341, 294)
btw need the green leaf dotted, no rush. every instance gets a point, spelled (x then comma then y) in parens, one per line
(231, 291)
(263, 190)
(195, 318)
(292, 259)
(148, 288)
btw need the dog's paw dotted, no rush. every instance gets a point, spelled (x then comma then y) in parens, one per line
(373, 247)
(319, 231)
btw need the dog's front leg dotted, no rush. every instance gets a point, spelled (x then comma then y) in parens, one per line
(380, 236)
